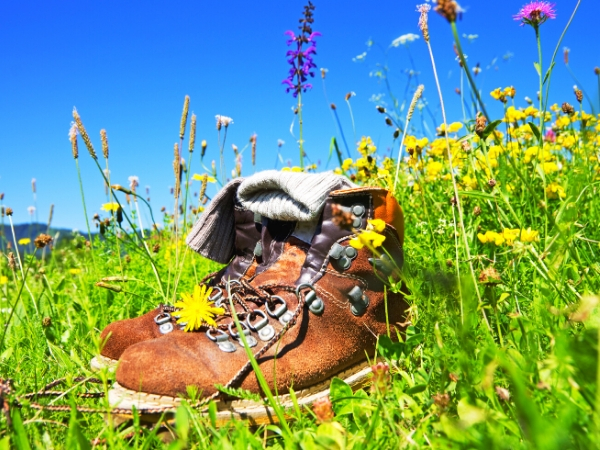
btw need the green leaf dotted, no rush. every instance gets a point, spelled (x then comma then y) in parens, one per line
(389, 349)
(20, 436)
(239, 393)
(535, 130)
(538, 69)
(416, 389)
(477, 194)
(490, 129)
(76, 439)
(548, 72)
(340, 394)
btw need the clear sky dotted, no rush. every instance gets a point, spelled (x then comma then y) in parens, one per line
(127, 65)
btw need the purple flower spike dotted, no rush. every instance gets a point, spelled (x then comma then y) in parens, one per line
(536, 13)
(301, 60)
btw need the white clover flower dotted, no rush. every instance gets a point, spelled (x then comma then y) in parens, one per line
(404, 39)
(360, 58)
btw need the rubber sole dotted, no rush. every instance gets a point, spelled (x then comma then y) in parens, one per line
(254, 413)
(100, 362)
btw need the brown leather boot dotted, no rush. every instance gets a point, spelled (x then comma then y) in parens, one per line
(212, 238)
(313, 314)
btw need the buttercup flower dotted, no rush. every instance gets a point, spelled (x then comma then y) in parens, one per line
(536, 13)
(3, 279)
(197, 309)
(199, 177)
(24, 241)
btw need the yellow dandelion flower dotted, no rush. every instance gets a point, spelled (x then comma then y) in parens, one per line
(199, 177)
(24, 241)
(74, 271)
(3, 279)
(197, 309)
(530, 111)
(111, 206)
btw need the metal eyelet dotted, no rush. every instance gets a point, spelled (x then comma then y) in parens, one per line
(279, 311)
(261, 326)
(383, 264)
(216, 294)
(315, 304)
(359, 301)
(252, 342)
(162, 318)
(166, 328)
(264, 320)
(222, 340)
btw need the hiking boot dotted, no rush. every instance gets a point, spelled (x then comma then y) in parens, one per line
(226, 233)
(314, 313)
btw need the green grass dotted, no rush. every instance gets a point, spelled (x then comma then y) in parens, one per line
(503, 341)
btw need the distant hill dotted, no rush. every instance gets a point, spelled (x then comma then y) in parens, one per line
(31, 231)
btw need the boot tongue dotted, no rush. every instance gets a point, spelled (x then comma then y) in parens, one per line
(213, 235)
(289, 196)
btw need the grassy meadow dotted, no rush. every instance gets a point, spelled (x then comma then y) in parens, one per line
(502, 260)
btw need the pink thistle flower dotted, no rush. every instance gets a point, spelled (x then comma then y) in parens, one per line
(536, 13)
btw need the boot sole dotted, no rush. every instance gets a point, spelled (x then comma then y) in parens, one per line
(255, 413)
(100, 362)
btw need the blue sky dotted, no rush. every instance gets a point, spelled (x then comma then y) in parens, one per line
(127, 66)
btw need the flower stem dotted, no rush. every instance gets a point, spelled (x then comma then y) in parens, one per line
(300, 123)
(463, 61)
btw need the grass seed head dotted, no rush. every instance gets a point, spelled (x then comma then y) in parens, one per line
(104, 140)
(184, 116)
(480, 124)
(192, 134)
(84, 135)
(579, 95)
(9, 211)
(253, 144)
(12, 261)
(203, 151)
(423, 19)
(73, 139)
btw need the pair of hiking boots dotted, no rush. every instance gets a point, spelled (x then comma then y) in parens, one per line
(309, 304)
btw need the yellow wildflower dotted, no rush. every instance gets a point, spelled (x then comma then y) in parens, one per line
(452, 128)
(563, 121)
(377, 225)
(368, 238)
(111, 206)
(292, 169)
(3, 279)
(24, 241)
(199, 177)
(510, 235)
(197, 309)
(510, 91)
(366, 147)
(550, 167)
(347, 164)
(491, 237)
(513, 114)
(555, 190)
(469, 182)
(497, 94)
(433, 169)
(530, 111)
(529, 235)
(555, 108)
(74, 271)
